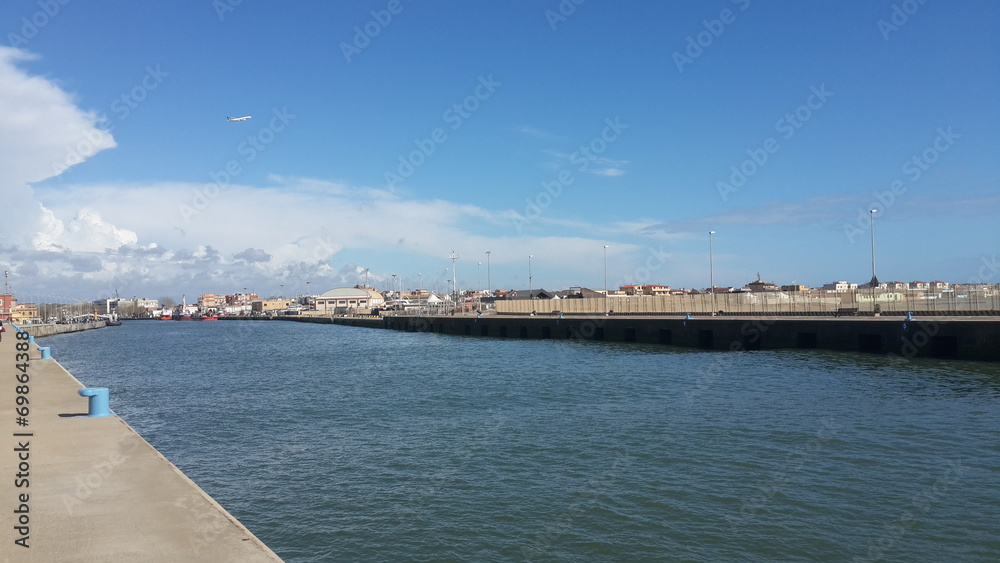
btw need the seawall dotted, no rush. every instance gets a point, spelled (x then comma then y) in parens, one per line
(962, 338)
(38, 331)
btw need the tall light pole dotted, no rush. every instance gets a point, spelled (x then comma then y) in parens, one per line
(874, 282)
(530, 296)
(454, 275)
(394, 288)
(479, 283)
(605, 279)
(711, 269)
(489, 281)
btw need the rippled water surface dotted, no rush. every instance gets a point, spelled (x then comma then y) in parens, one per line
(335, 443)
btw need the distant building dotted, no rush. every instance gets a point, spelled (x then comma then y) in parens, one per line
(238, 299)
(346, 299)
(24, 313)
(655, 289)
(630, 289)
(647, 289)
(761, 285)
(790, 288)
(271, 306)
(840, 286)
(148, 304)
(578, 293)
(127, 308)
(535, 294)
(7, 303)
(920, 286)
(939, 286)
(209, 301)
(709, 290)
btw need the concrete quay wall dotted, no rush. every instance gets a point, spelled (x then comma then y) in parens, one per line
(964, 338)
(83, 488)
(39, 331)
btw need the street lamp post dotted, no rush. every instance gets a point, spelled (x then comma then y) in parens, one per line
(530, 292)
(479, 284)
(874, 282)
(454, 276)
(394, 291)
(605, 279)
(711, 270)
(489, 280)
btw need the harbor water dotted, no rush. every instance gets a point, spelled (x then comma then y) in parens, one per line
(334, 443)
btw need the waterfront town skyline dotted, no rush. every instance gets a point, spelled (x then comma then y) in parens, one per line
(247, 301)
(387, 138)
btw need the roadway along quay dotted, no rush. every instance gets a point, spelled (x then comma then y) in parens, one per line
(79, 484)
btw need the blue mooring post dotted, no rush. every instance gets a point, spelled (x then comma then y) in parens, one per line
(909, 316)
(31, 339)
(687, 315)
(99, 404)
(46, 352)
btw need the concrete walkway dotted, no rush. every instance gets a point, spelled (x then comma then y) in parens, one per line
(75, 488)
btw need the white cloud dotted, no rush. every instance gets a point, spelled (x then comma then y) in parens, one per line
(42, 133)
(134, 238)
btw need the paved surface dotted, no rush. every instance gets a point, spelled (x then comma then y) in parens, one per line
(91, 489)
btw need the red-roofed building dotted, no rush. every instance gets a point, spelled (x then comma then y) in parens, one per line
(7, 304)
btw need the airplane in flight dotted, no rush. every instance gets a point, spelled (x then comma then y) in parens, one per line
(244, 118)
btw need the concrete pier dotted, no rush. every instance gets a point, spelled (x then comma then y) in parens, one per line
(39, 331)
(945, 337)
(79, 488)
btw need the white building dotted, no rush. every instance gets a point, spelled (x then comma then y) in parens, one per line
(840, 286)
(344, 299)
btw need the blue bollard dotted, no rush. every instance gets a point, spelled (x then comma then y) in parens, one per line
(687, 315)
(31, 339)
(99, 404)
(46, 352)
(909, 316)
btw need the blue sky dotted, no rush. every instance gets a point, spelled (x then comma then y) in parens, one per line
(386, 135)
